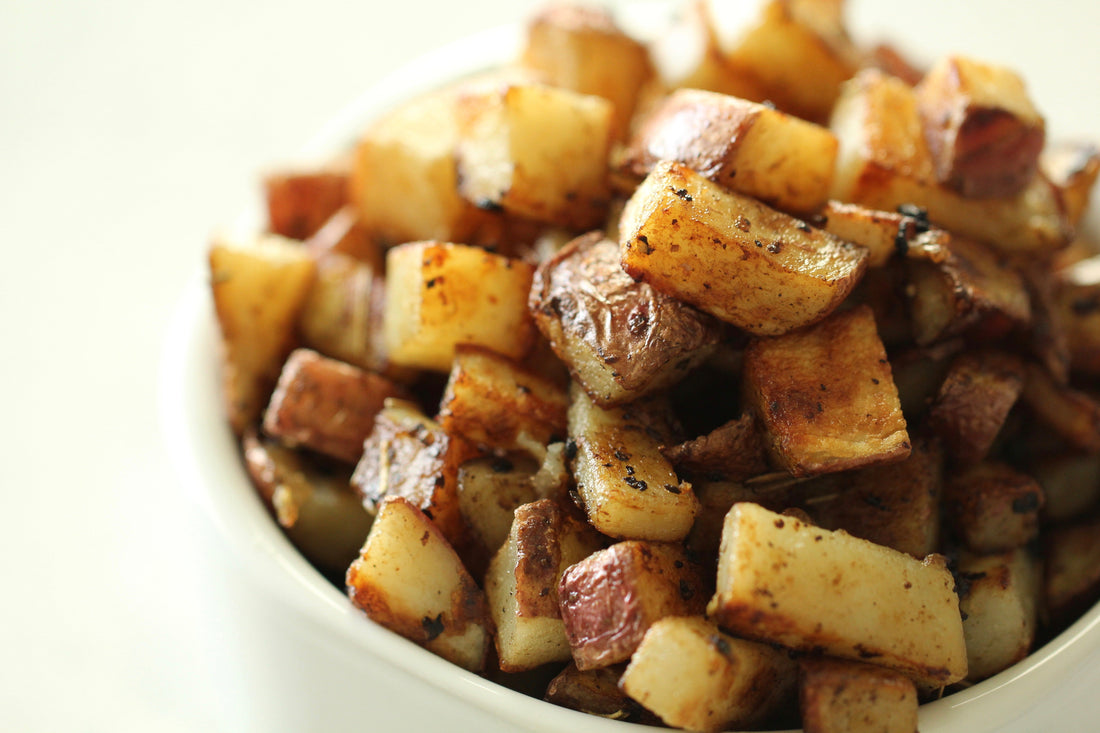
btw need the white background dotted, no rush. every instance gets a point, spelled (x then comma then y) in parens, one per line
(128, 132)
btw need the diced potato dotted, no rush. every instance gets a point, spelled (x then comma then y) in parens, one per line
(620, 339)
(610, 598)
(732, 256)
(489, 491)
(983, 132)
(800, 54)
(783, 581)
(1073, 169)
(884, 233)
(259, 288)
(744, 146)
(627, 488)
(581, 48)
(326, 405)
(716, 498)
(1071, 484)
(896, 505)
(840, 696)
(1077, 306)
(734, 451)
(596, 692)
(992, 507)
(825, 396)
(336, 316)
(439, 295)
(999, 597)
(694, 676)
(409, 579)
(960, 286)
(300, 202)
(1071, 413)
(317, 508)
(918, 374)
(974, 400)
(344, 235)
(536, 151)
(522, 584)
(491, 400)
(884, 162)
(411, 456)
(1071, 578)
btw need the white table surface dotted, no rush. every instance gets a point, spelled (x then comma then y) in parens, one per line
(128, 132)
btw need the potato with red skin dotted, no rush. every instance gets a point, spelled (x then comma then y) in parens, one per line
(300, 202)
(840, 696)
(993, 507)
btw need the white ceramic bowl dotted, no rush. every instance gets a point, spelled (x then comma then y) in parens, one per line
(360, 676)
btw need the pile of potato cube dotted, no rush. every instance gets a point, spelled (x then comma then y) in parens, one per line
(757, 389)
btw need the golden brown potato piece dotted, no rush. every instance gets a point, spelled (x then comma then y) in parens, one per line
(596, 692)
(992, 507)
(581, 48)
(409, 579)
(439, 295)
(300, 202)
(777, 492)
(839, 696)
(884, 162)
(999, 597)
(620, 339)
(974, 400)
(732, 256)
(1073, 169)
(610, 598)
(320, 514)
(694, 676)
(896, 505)
(326, 405)
(1071, 579)
(781, 580)
(884, 233)
(344, 234)
(960, 286)
(918, 374)
(536, 151)
(747, 147)
(522, 584)
(1077, 311)
(625, 486)
(1071, 413)
(489, 491)
(825, 396)
(734, 451)
(259, 288)
(492, 400)
(800, 53)
(982, 130)
(411, 456)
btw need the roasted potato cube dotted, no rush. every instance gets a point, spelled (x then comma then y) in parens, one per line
(536, 151)
(1077, 311)
(411, 456)
(884, 162)
(627, 488)
(1071, 413)
(344, 235)
(896, 504)
(581, 48)
(783, 581)
(320, 514)
(610, 598)
(259, 288)
(300, 202)
(336, 316)
(960, 286)
(439, 295)
(620, 339)
(1071, 484)
(825, 396)
(409, 579)
(694, 676)
(884, 233)
(326, 405)
(716, 498)
(982, 131)
(1071, 579)
(800, 53)
(596, 692)
(734, 451)
(974, 400)
(489, 491)
(840, 696)
(1072, 168)
(993, 507)
(746, 147)
(998, 597)
(732, 256)
(490, 399)
(522, 584)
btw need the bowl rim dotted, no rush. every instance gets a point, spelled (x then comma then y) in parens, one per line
(208, 464)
